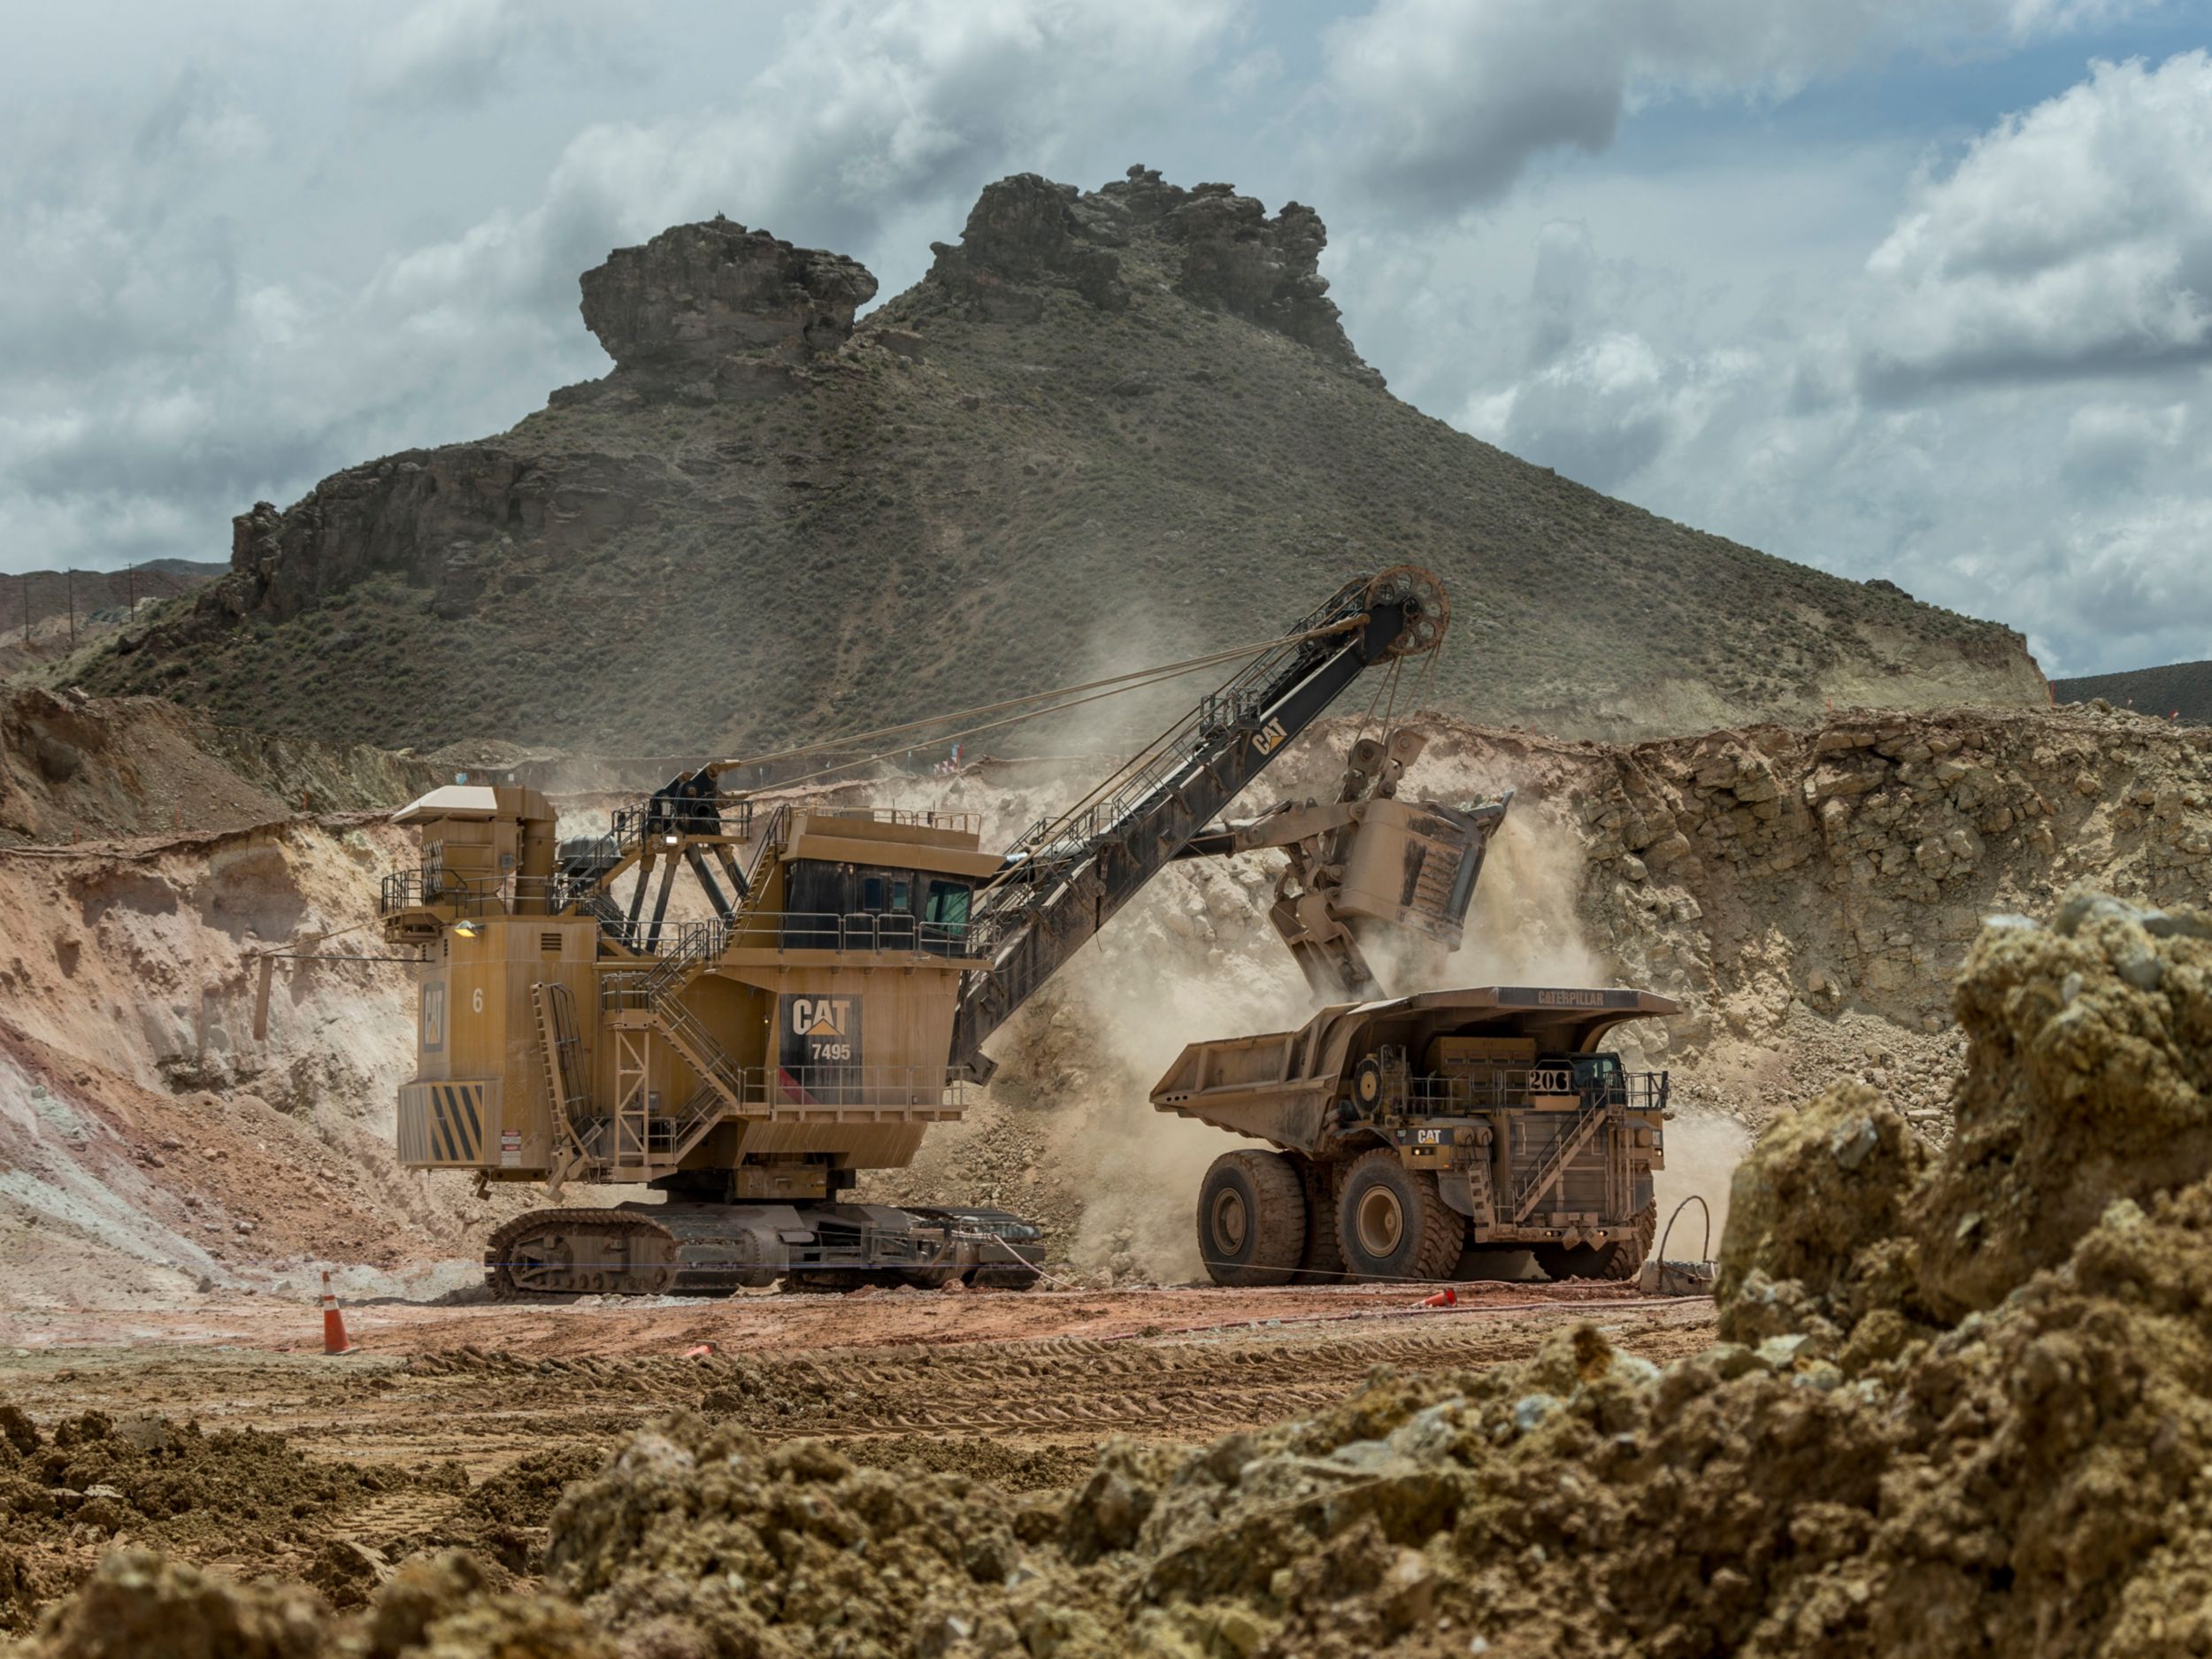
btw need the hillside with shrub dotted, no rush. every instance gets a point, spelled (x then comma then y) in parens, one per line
(1106, 429)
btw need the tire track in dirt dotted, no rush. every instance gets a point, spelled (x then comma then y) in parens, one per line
(486, 1406)
(1042, 1390)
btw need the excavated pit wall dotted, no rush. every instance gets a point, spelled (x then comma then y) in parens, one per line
(151, 1143)
(76, 769)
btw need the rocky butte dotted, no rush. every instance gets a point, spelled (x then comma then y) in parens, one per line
(1107, 426)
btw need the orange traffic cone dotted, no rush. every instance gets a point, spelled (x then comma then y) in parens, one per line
(1445, 1298)
(335, 1338)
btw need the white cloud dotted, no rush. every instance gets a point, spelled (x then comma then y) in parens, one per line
(163, 367)
(2073, 239)
(1448, 101)
(2111, 446)
(2073, 501)
(457, 53)
(1598, 411)
(1594, 374)
(866, 115)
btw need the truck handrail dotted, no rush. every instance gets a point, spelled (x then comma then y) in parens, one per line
(1489, 1088)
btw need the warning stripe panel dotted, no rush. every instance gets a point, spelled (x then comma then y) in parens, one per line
(442, 1124)
(458, 1121)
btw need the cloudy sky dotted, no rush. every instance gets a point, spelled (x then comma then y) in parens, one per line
(1897, 287)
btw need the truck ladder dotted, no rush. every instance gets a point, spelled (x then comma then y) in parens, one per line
(1562, 1152)
(562, 1051)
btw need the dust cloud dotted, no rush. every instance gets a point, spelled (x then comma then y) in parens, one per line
(1523, 927)
(1703, 1152)
(1177, 972)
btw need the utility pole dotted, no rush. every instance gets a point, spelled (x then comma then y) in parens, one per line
(69, 577)
(130, 588)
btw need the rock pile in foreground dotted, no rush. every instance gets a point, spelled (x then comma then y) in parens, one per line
(1964, 1406)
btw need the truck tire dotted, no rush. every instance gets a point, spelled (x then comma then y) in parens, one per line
(1619, 1258)
(1391, 1223)
(1322, 1263)
(1251, 1219)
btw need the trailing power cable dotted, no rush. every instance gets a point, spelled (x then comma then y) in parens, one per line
(1130, 680)
(1125, 683)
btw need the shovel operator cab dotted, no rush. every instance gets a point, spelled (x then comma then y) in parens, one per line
(1416, 1135)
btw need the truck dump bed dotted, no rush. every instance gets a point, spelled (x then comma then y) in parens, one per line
(1282, 1086)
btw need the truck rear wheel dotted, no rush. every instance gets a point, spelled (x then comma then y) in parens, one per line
(1251, 1219)
(1391, 1223)
(1621, 1258)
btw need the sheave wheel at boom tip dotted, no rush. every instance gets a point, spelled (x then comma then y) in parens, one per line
(1428, 613)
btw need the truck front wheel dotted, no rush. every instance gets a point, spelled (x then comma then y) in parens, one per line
(1391, 1223)
(1251, 1219)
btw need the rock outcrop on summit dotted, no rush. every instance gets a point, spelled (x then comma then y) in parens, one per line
(696, 295)
(1230, 256)
(1021, 231)
(1123, 424)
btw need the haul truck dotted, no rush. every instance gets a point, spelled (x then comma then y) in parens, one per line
(833, 1003)
(1412, 1138)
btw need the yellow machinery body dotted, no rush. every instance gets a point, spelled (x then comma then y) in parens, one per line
(781, 1050)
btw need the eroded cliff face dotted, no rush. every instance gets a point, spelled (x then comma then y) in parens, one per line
(153, 1140)
(1850, 864)
(74, 768)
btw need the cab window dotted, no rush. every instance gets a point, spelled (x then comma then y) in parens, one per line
(947, 907)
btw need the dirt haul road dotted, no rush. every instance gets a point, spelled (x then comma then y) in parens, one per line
(459, 1426)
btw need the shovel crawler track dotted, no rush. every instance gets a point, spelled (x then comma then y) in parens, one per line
(715, 1249)
(580, 1252)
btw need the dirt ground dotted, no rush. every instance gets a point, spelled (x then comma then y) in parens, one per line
(459, 1426)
